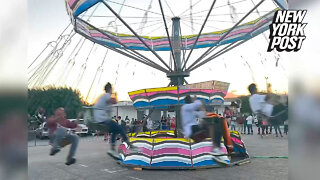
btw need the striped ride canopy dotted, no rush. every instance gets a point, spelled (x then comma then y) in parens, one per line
(160, 43)
(211, 92)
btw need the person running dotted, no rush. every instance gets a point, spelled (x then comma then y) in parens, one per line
(102, 114)
(261, 103)
(276, 125)
(190, 111)
(58, 131)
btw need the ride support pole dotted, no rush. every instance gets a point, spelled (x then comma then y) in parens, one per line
(117, 112)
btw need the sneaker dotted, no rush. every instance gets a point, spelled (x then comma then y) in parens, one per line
(217, 152)
(54, 151)
(70, 161)
(220, 159)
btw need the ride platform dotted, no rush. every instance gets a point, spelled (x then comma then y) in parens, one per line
(162, 150)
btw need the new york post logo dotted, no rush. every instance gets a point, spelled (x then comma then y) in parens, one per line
(287, 30)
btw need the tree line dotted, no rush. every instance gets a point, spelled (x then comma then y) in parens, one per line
(50, 98)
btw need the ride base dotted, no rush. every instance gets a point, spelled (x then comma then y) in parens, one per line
(162, 150)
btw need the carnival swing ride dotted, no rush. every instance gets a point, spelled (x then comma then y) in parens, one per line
(140, 30)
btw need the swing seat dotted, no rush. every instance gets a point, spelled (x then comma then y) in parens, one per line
(89, 121)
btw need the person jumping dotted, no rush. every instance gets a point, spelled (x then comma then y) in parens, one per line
(102, 114)
(58, 132)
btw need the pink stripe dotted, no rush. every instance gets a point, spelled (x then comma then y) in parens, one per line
(231, 34)
(171, 151)
(203, 39)
(99, 35)
(134, 41)
(123, 148)
(146, 151)
(71, 2)
(246, 30)
(148, 42)
(153, 93)
(160, 43)
(203, 90)
(206, 149)
(193, 90)
(236, 140)
(201, 150)
(141, 94)
(216, 38)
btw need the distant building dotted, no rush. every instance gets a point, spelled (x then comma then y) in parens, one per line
(123, 109)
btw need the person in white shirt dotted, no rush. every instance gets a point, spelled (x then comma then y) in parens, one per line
(190, 111)
(149, 124)
(249, 124)
(102, 114)
(259, 104)
(189, 115)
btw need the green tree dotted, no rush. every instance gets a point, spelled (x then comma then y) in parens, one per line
(50, 98)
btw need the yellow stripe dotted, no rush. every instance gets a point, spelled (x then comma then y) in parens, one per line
(162, 89)
(161, 132)
(235, 132)
(141, 139)
(136, 92)
(131, 134)
(156, 140)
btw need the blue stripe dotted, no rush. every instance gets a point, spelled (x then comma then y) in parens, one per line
(170, 164)
(205, 163)
(84, 6)
(282, 4)
(136, 162)
(163, 102)
(140, 104)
